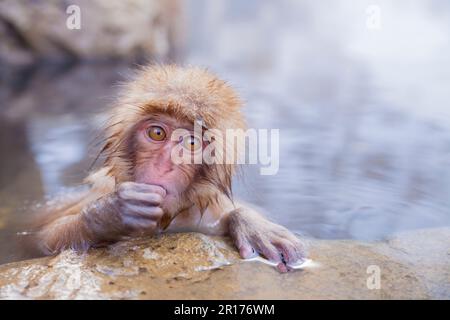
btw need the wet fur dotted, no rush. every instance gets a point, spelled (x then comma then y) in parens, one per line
(186, 93)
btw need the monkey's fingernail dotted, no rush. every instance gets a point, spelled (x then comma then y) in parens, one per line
(247, 252)
(282, 267)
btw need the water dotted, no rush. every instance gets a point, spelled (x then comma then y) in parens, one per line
(364, 115)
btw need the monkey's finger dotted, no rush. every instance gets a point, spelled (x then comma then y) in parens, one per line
(151, 188)
(146, 212)
(296, 242)
(142, 187)
(299, 248)
(269, 251)
(246, 251)
(289, 252)
(283, 268)
(139, 223)
(301, 251)
(151, 198)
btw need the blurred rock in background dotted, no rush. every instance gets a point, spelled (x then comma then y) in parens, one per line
(33, 31)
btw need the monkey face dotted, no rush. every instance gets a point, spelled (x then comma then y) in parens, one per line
(155, 145)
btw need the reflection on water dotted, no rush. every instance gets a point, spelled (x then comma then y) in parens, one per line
(363, 114)
(57, 145)
(48, 124)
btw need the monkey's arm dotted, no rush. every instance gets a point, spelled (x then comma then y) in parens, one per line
(251, 232)
(93, 220)
(71, 226)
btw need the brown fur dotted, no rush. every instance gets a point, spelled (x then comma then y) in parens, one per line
(188, 93)
(202, 201)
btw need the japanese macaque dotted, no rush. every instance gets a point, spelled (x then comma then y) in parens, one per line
(140, 191)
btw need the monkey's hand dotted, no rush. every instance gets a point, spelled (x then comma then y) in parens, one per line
(133, 209)
(253, 234)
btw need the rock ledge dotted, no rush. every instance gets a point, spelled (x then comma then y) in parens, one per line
(413, 265)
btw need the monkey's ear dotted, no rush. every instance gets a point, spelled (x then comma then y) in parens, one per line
(118, 152)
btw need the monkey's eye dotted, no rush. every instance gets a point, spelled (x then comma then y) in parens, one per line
(192, 143)
(156, 133)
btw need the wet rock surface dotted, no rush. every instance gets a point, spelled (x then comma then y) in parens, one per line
(36, 30)
(195, 266)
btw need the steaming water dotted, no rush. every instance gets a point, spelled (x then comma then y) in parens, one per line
(364, 115)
